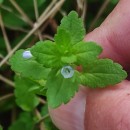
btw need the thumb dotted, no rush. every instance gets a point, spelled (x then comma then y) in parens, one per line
(114, 36)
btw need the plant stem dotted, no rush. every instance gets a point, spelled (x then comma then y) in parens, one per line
(36, 9)
(5, 35)
(37, 15)
(6, 97)
(100, 12)
(56, 7)
(84, 10)
(47, 10)
(42, 125)
(43, 118)
(9, 82)
(42, 101)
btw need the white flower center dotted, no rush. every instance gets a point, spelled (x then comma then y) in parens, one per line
(67, 71)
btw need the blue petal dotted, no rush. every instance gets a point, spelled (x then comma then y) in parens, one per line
(27, 54)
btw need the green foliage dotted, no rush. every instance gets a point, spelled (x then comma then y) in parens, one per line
(1, 127)
(68, 49)
(28, 67)
(25, 98)
(114, 1)
(101, 73)
(86, 52)
(1, 1)
(24, 122)
(11, 16)
(47, 120)
(74, 26)
(59, 87)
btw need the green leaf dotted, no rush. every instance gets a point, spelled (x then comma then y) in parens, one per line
(12, 20)
(1, 1)
(63, 42)
(74, 26)
(60, 90)
(102, 73)
(1, 128)
(62, 38)
(45, 53)
(86, 52)
(69, 59)
(25, 98)
(114, 1)
(24, 122)
(28, 67)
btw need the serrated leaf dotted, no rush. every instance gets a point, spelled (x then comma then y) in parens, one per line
(28, 67)
(86, 52)
(25, 99)
(45, 53)
(60, 90)
(74, 26)
(101, 73)
(62, 38)
(63, 42)
(24, 122)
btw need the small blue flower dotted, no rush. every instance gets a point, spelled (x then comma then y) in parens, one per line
(67, 72)
(27, 54)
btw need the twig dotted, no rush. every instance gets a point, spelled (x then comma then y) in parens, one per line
(23, 14)
(42, 101)
(2, 57)
(6, 8)
(6, 96)
(19, 17)
(5, 35)
(37, 15)
(32, 31)
(42, 118)
(84, 10)
(82, 5)
(100, 12)
(9, 82)
(63, 13)
(45, 36)
(47, 10)
(42, 125)
(36, 9)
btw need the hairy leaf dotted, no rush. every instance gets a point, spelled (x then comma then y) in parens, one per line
(60, 90)
(45, 53)
(25, 98)
(28, 67)
(74, 26)
(24, 122)
(86, 52)
(102, 73)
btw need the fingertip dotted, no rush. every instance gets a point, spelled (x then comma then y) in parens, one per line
(71, 115)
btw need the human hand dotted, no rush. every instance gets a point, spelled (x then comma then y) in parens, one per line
(108, 108)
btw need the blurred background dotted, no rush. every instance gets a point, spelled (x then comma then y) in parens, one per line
(22, 24)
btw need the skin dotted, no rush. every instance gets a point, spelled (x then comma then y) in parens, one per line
(108, 108)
